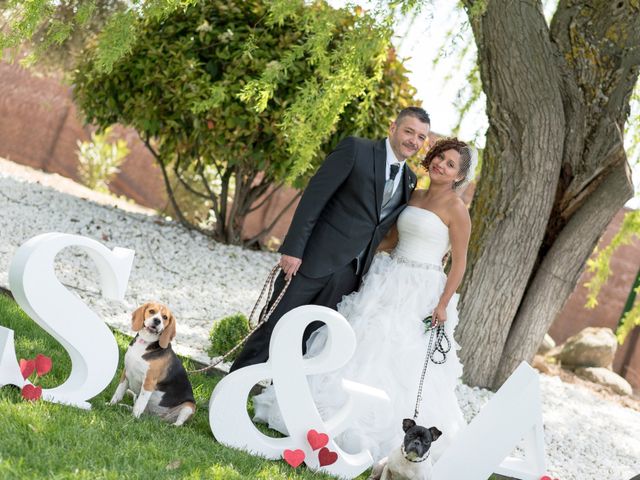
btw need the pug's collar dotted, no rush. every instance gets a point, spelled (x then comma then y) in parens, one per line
(417, 460)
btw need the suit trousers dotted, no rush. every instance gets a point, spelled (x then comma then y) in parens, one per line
(326, 291)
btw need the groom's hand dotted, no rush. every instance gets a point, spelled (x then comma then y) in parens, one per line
(290, 265)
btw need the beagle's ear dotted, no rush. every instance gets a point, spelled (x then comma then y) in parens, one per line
(168, 333)
(137, 319)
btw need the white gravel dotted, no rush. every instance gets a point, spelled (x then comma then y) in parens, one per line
(586, 436)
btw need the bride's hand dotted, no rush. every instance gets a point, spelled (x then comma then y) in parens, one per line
(439, 315)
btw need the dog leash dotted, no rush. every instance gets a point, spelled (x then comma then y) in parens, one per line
(437, 333)
(268, 285)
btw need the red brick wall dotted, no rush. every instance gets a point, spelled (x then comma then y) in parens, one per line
(40, 125)
(574, 316)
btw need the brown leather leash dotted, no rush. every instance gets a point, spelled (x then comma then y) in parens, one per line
(268, 285)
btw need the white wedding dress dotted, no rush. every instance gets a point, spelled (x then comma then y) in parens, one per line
(387, 314)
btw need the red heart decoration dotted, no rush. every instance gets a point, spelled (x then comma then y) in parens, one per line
(293, 457)
(327, 457)
(27, 367)
(545, 477)
(29, 392)
(317, 440)
(43, 364)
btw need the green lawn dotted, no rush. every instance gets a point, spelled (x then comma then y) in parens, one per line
(43, 440)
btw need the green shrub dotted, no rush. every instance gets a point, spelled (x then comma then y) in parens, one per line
(100, 159)
(226, 333)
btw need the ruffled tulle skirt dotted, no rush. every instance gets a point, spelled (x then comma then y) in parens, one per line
(387, 316)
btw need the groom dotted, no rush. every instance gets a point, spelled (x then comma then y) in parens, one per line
(345, 211)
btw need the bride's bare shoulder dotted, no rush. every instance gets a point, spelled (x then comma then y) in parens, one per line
(459, 211)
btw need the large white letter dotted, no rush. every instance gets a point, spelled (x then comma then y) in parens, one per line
(513, 413)
(89, 342)
(228, 416)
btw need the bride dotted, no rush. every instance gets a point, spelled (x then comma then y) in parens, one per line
(397, 294)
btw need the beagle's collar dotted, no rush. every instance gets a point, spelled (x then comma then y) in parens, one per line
(418, 460)
(146, 338)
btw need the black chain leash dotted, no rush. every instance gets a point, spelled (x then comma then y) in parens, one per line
(437, 333)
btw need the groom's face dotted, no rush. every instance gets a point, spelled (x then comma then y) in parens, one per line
(407, 137)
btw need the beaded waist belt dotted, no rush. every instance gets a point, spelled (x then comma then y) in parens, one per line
(412, 263)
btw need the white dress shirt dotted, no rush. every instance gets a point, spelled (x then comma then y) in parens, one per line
(391, 158)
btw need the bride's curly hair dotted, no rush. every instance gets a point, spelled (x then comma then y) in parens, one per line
(459, 146)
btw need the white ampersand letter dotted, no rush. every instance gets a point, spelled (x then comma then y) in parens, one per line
(230, 422)
(87, 339)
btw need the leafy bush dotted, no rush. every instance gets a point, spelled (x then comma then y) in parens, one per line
(100, 160)
(192, 80)
(226, 333)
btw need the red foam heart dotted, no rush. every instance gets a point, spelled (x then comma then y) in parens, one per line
(27, 367)
(293, 457)
(317, 440)
(29, 392)
(327, 457)
(43, 364)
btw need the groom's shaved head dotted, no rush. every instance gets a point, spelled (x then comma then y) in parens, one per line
(415, 112)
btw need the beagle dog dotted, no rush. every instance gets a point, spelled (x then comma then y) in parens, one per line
(152, 371)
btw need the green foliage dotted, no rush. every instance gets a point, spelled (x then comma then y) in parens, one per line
(352, 69)
(221, 91)
(53, 33)
(226, 334)
(100, 159)
(631, 314)
(600, 266)
(56, 30)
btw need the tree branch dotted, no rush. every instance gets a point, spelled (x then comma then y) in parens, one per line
(185, 184)
(181, 218)
(267, 197)
(259, 236)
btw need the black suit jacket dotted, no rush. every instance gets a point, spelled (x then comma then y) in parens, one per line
(339, 213)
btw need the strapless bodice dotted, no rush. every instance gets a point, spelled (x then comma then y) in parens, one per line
(422, 236)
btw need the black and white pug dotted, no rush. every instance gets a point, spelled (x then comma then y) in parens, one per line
(411, 460)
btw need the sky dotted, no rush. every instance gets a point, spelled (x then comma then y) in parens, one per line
(424, 40)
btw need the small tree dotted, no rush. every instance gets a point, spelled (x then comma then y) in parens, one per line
(185, 85)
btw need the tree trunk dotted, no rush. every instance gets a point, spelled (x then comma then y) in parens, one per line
(557, 275)
(521, 165)
(554, 169)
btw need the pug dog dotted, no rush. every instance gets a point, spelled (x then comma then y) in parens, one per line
(411, 460)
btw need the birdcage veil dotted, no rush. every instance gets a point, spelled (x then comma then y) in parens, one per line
(468, 165)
